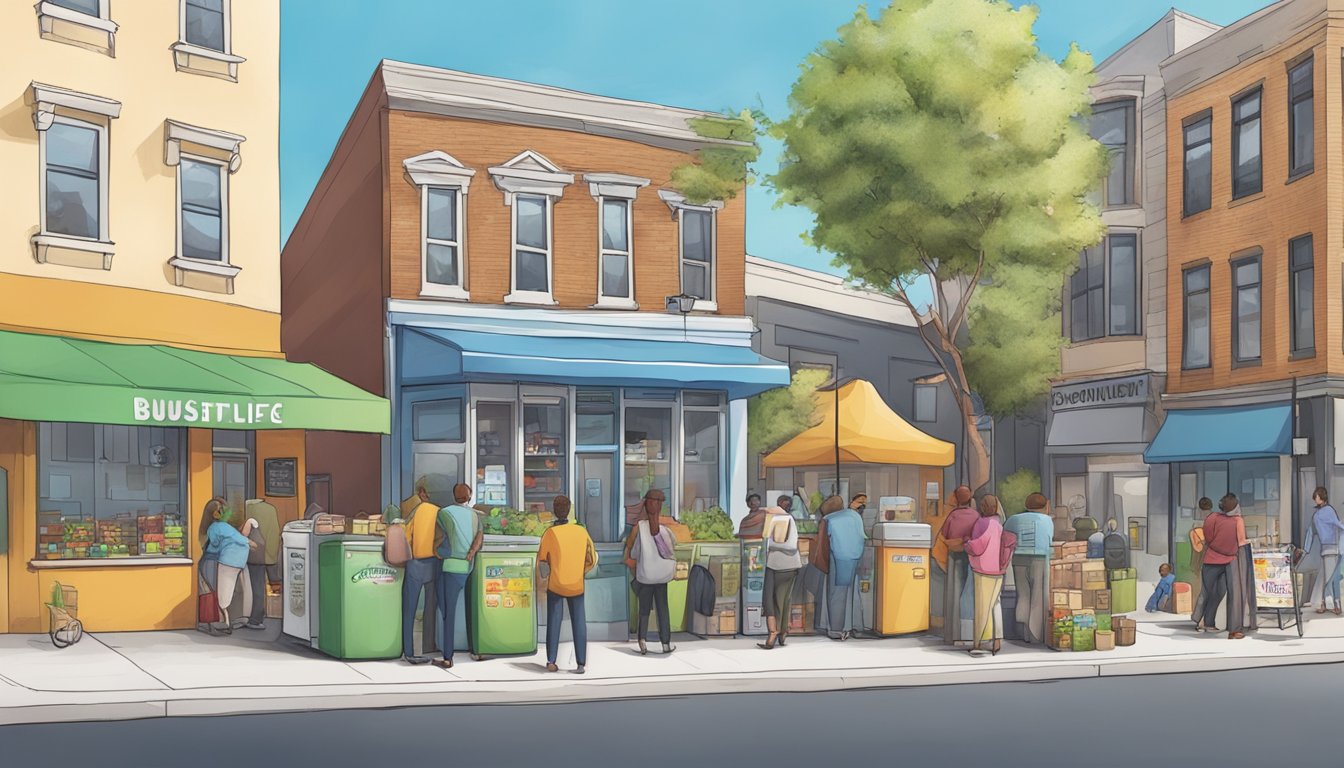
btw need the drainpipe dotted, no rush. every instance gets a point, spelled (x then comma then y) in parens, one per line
(1294, 492)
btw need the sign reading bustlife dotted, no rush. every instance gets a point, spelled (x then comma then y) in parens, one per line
(159, 410)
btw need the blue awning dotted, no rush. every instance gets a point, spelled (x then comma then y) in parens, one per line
(482, 356)
(1218, 434)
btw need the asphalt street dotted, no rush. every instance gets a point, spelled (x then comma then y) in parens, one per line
(1272, 717)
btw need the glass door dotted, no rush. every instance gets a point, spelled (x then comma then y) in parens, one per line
(545, 449)
(436, 451)
(231, 480)
(648, 453)
(596, 505)
(495, 463)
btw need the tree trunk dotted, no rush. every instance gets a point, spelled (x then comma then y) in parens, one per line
(976, 454)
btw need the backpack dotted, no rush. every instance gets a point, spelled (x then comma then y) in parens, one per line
(396, 545)
(1007, 546)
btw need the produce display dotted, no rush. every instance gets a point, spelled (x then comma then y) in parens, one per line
(505, 521)
(711, 525)
(807, 526)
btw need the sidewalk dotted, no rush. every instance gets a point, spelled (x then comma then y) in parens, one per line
(161, 674)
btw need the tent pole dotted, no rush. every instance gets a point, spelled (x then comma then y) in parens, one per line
(837, 436)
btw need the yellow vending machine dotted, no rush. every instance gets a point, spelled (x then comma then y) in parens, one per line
(901, 571)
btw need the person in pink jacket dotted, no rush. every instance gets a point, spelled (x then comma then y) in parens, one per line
(987, 568)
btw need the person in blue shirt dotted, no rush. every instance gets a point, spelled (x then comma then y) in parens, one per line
(845, 532)
(227, 546)
(1326, 527)
(1035, 531)
(1161, 599)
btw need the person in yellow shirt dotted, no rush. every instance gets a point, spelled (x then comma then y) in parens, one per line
(565, 558)
(421, 571)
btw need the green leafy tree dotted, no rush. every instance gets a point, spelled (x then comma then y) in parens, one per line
(778, 416)
(1014, 337)
(937, 141)
(721, 169)
(1014, 489)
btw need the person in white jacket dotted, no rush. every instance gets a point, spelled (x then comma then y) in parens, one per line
(782, 564)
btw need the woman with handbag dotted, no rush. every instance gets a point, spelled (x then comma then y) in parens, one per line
(985, 554)
(782, 563)
(651, 558)
(226, 545)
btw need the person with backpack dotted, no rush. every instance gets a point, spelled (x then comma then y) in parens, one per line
(460, 538)
(990, 550)
(421, 572)
(1326, 528)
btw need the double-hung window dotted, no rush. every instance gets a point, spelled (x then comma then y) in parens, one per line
(1198, 188)
(1104, 292)
(1302, 295)
(532, 185)
(74, 154)
(203, 209)
(616, 281)
(697, 253)
(205, 24)
(1246, 166)
(90, 7)
(443, 184)
(1195, 336)
(1113, 126)
(82, 23)
(1301, 119)
(1246, 309)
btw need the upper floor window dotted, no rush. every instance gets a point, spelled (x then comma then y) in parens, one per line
(202, 212)
(72, 227)
(1198, 186)
(443, 184)
(1103, 293)
(697, 253)
(89, 7)
(205, 40)
(1301, 119)
(1113, 126)
(75, 164)
(1196, 309)
(1302, 294)
(205, 24)
(1246, 166)
(1246, 309)
(615, 195)
(531, 185)
(926, 402)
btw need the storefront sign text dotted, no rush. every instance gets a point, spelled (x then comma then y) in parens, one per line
(376, 574)
(1100, 393)
(163, 410)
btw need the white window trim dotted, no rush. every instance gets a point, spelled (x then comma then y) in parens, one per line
(223, 265)
(48, 14)
(438, 290)
(174, 133)
(183, 52)
(46, 98)
(616, 186)
(548, 183)
(546, 298)
(44, 238)
(440, 169)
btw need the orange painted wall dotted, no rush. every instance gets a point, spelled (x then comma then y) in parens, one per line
(282, 444)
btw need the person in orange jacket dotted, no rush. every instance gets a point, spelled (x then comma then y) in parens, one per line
(566, 556)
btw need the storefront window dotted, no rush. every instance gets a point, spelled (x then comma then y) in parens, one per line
(545, 453)
(595, 417)
(701, 464)
(494, 454)
(110, 492)
(1256, 484)
(648, 452)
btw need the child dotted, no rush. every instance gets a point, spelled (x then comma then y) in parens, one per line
(1161, 599)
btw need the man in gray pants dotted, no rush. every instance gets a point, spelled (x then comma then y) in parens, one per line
(1031, 566)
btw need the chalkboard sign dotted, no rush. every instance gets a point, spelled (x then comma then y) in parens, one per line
(282, 477)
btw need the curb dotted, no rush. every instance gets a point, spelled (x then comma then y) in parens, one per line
(246, 701)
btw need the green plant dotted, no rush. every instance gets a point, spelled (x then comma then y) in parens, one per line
(778, 416)
(711, 525)
(1014, 489)
(937, 145)
(722, 168)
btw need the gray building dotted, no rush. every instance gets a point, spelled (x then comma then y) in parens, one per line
(814, 320)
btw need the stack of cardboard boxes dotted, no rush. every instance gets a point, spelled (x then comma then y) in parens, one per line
(1081, 601)
(727, 575)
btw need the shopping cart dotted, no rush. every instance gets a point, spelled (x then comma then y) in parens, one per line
(66, 630)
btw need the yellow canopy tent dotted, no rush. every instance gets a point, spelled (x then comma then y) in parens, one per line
(870, 433)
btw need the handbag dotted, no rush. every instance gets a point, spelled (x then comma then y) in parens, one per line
(207, 608)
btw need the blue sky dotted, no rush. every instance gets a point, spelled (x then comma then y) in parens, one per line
(704, 54)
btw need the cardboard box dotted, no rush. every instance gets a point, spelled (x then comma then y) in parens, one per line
(274, 606)
(1181, 602)
(1097, 599)
(1073, 549)
(1105, 641)
(727, 573)
(1071, 599)
(1125, 636)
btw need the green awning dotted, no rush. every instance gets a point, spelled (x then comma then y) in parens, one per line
(55, 378)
